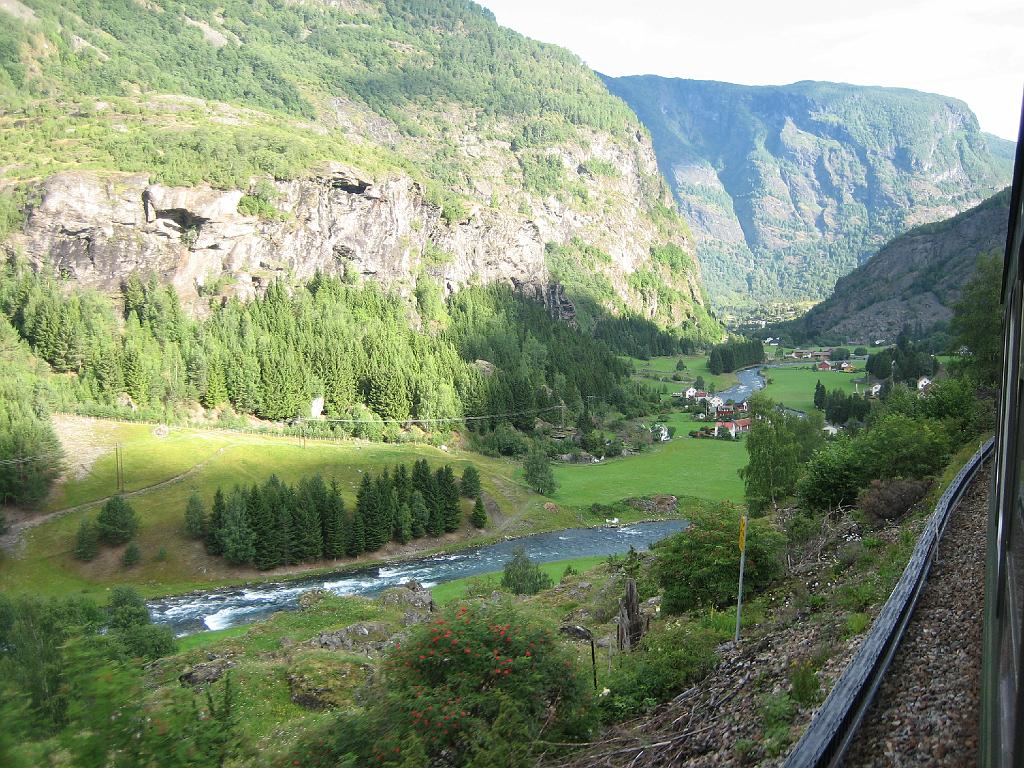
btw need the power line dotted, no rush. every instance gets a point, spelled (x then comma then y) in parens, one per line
(439, 420)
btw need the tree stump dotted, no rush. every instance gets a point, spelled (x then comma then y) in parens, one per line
(631, 622)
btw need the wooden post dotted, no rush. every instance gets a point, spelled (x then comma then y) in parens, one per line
(631, 625)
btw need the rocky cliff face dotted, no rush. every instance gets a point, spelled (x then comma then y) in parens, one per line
(913, 281)
(788, 188)
(99, 228)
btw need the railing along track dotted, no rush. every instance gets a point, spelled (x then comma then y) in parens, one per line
(835, 725)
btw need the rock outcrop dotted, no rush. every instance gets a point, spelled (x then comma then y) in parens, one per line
(789, 187)
(913, 282)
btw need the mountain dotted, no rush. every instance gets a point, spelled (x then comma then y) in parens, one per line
(913, 281)
(220, 145)
(787, 188)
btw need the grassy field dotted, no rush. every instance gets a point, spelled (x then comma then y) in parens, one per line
(696, 365)
(794, 387)
(187, 460)
(705, 469)
(454, 590)
(162, 471)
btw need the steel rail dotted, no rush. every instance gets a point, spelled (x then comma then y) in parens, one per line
(835, 724)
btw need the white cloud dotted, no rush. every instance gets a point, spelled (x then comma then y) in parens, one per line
(971, 50)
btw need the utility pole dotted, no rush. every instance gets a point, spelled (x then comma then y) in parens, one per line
(743, 562)
(119, 467)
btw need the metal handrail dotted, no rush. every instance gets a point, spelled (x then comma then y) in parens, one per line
(833, 727)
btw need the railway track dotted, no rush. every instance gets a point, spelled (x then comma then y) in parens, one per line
(922, 706)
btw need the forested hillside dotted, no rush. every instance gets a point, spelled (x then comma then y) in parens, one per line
(913, 282)
(223, 145)
(790, 187)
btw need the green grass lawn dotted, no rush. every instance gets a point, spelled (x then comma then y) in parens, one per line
(696, 365)
(705, 469)
(456, 590)
(794, 387)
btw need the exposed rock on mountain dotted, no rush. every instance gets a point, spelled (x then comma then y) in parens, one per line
(363, 138)
(788, 188)
(913, 281)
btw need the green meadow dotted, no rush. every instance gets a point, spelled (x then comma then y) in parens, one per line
(794, 387)
(703, 469)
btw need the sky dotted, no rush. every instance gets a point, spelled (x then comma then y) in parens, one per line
(970, 49)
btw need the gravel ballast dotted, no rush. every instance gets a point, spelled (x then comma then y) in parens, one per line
(927, 709)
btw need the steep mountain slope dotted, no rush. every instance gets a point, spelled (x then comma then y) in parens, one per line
(788, 188)
(222, 144)
(913, 281)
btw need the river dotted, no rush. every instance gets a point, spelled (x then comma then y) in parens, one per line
(750, 381)
(229, 607)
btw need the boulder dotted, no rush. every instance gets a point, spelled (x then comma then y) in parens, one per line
(412, 595)
(363, 637)
(205, 673)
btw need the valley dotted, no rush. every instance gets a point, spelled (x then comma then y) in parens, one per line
(383, 388)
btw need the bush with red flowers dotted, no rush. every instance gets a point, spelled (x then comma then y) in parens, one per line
(476, 683)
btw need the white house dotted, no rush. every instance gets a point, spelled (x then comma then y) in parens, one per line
(691, 393)
(875, 390)
(923, 383)
(715, 402)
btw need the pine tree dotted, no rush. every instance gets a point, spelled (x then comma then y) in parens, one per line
(470, 486)
(479, 517)
(87, 540)
(403, 525)
(448, 498)
(262, 522)
(420, 514)
(367, 508)
(237, 535)
(820, 395)
(215, 525)
(117, 521)
(435, 520)
(334, 524)
(216, 385)
(356, 541)
(195, 517)
(131, 555)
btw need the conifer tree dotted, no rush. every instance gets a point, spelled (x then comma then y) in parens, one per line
(420, 514)
(263, 524)
(334, 524)
(87, 540)
(117, 521)
(356, 541)
(131, 555)
(215, 525)
(195, 517)
(470, 486)
(435, 520)
(448, 498)
(237, 535)
(403, 525)
(479, 516)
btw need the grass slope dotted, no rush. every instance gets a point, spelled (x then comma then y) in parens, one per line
(704, 469)
(162, 472)
(794, 387)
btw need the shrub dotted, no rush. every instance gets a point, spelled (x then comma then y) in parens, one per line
(669, 659)
(777, 712)
(130, 556)
(700, 566)
(117, 521)
(804, 685)
(890, 499)
(521, 576)
(475, 686)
